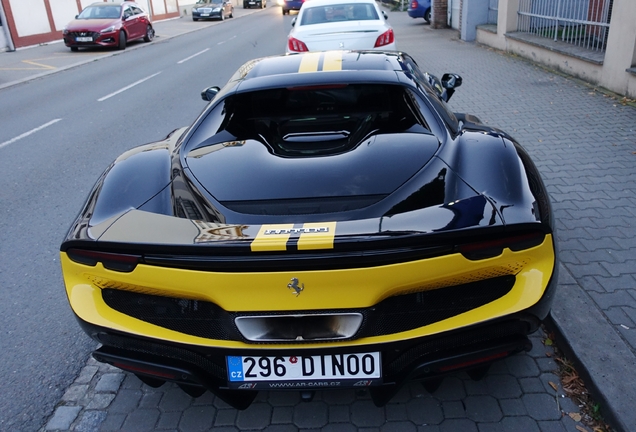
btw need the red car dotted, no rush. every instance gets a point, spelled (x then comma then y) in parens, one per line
(108, 25)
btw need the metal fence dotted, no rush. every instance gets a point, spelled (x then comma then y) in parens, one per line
(584, 23)
(493, 11)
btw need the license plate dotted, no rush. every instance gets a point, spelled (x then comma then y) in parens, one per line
(205, 14)
(84, 39)
(332, 370)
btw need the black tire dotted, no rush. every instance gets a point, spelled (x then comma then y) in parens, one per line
(122, 41)
(232, 13)
(427, 15)
(245, 5)
(74, 49)
(150, 34)
(195, 19)
(285, 11)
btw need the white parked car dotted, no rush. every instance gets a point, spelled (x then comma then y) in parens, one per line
(324, 25)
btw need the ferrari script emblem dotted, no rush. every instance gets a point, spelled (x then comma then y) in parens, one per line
(293, 285)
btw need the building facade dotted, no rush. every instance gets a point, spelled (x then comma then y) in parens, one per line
(32, 22)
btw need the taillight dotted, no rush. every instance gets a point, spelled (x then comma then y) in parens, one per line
(493, 248)
(385, 38)
(414, 4)
(111, 261)
(296, 46)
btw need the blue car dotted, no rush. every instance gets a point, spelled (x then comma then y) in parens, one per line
(290, 5)
(420, 9)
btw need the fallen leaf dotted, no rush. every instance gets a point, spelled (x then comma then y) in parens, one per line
(582, 429)
(575, 416)
(548, 341)
(553, 385)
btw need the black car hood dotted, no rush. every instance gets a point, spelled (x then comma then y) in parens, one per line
(248, 170)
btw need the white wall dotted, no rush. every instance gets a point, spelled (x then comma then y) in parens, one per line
(172, 6)
(158, 7)
(63, 11)
(30, 17)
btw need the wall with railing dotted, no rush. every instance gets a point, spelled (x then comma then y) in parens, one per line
(583, 23)
(594, 40)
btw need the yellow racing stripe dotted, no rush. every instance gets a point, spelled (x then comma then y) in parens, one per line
(309, 62)
(332, 61)
(317, 236)
(272, 238)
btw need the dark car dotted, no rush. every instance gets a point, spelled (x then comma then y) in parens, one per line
(290, 5)
(212, 9)
(420, 9)
(326, 222)
(108, 25)
(248, 4)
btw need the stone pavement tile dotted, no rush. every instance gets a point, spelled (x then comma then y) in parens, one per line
(256, 416)
(109, 382)
(339, 427)
(513, 424)
(63, 417)
(280, 415)
(339, 414)
(90, 421)
(512, 407)
(142, 420)
(126, 401)
(403, 426)
(365, 414)
(453, 409)
(201, 418)
(451, 389)
(227, 417)
(458, 425)
(541, 406)
(424, 411)
(483, 409)
(113, 422)
(170, 420)
(396, 412)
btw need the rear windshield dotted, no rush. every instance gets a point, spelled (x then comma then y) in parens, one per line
(341, 12)
(313, 120)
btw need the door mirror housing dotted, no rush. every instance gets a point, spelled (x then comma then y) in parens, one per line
(209, 93)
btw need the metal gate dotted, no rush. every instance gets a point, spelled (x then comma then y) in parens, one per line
(583, 23)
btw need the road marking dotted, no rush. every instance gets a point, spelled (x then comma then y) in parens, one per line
(26, 134)
(193, 56)
(222, 42)
(127, 87)
(43, 66)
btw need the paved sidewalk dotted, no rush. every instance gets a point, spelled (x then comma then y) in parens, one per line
(584, 142)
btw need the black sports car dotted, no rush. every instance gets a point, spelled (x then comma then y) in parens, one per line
(325, 222)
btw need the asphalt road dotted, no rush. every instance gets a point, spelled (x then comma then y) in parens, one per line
(76, 122)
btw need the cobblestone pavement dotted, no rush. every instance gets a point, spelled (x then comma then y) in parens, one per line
(584, 143)
(516, 395)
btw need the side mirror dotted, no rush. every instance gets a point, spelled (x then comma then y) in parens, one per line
(293, 21)
(386, 17)
(451, 81)
(209, 93)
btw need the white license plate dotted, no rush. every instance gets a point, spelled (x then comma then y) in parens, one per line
(205, 14)
(84, 39)
(332, 370)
